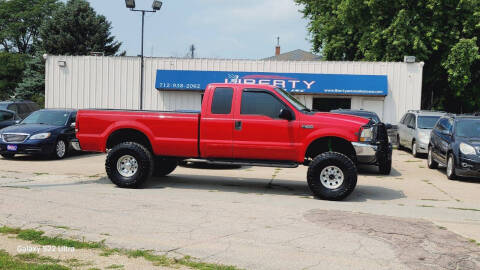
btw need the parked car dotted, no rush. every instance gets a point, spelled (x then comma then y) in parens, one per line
(455, 143)
(22, 107)
(256, 125)
(414, 130)
(382, 158)
(44, 132)
(8, 118)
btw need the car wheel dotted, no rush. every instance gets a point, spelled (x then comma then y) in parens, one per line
(332, 176)
(164, 166)
(61, 149)
(432, 164)
(8, 156)
(451, 167)
(400, 147)
(414, 149)
(129, 164)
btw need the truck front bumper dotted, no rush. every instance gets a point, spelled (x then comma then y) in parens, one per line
(371, 154)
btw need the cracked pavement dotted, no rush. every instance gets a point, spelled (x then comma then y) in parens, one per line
(254, 218)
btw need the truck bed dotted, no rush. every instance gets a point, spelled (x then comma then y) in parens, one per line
(170, 133)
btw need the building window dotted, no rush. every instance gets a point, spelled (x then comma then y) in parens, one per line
(328, 104)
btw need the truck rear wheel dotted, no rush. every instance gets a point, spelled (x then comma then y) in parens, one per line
(332, 176)
(164, 166)
(129, 165)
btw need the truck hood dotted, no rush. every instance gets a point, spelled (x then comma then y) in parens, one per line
(341, 118)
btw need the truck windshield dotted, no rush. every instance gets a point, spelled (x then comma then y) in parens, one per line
(427, 122)
(297, 104)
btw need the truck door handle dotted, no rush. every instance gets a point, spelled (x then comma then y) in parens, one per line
(238, 125)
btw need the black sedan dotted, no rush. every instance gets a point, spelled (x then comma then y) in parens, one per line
(455, 143)
(8, 118)
(44, 132)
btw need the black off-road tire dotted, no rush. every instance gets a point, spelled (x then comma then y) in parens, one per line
(8, 156)
(143, 157)
(431, 163)
(340, 161)
(164, 166)
(385, 166)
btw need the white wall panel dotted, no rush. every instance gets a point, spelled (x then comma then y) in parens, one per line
(114, 82)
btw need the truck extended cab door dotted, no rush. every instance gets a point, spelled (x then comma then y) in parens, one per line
(259, 133)
(216, 124)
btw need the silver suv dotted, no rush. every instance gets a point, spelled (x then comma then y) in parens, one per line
(414, 130)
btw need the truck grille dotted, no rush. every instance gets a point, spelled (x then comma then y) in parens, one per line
(14, 137)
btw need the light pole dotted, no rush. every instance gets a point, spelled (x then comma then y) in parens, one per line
(156, 6)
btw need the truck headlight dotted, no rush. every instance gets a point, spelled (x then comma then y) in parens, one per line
(41, 136)
(467, 149)
(366, 135)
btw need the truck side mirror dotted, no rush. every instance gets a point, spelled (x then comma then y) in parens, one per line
(286, 114)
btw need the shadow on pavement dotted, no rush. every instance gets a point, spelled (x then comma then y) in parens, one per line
(262, 186)
(371, 170)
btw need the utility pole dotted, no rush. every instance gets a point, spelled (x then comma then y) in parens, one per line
(192, 51)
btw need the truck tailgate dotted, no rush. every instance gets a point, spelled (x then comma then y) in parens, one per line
(170, 133)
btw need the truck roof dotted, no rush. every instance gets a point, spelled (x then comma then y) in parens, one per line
(265, 86)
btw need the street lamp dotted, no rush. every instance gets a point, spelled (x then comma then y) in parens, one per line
(156, 6)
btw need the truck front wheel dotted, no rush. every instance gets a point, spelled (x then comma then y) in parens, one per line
(129, 164)
(164, 166)
(332, 176)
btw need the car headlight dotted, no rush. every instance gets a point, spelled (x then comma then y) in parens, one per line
(366, 135)
(41, 136)
(467, 149)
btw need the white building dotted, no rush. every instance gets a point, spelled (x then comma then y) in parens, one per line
(389, 89)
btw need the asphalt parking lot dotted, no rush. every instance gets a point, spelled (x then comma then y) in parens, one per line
(254, 218)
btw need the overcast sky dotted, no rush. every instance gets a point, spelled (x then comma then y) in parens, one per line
(245, 29)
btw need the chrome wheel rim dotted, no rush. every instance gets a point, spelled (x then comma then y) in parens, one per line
(450, 166)
(127, 166)
(414, 149)
(60, 149)
(332, 177)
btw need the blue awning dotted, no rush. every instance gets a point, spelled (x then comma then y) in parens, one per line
(306, 83)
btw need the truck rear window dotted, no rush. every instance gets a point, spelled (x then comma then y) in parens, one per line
(222, 101)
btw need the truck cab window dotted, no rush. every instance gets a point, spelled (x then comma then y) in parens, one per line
(261, 103)
(222, 101)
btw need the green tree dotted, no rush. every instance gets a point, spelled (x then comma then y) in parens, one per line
(76, 29)
(20, 21)
(440, 33)
(11, 69)
(32, 86)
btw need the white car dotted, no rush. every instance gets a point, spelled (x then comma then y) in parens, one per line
(414, 130)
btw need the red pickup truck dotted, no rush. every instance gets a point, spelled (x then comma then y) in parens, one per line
(257, 125)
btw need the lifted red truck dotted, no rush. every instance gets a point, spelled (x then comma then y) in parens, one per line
(257, 125)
